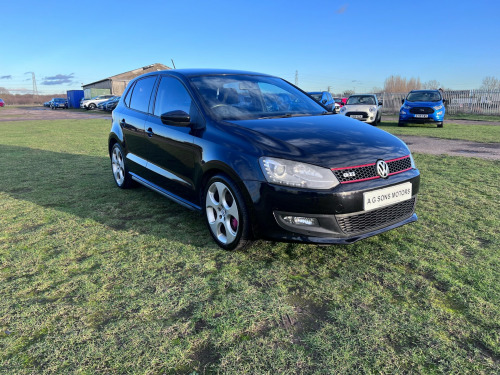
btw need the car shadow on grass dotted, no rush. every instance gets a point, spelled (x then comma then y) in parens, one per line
(83, 186)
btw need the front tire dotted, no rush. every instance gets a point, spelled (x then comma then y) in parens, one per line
(226, 214)
(92, 106)
(120, 172)
(401, 123)
(440, 125)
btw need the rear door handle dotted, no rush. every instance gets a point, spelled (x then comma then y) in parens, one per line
(150, 132)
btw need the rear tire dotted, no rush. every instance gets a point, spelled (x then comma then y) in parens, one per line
(119, 168)
(226, 214)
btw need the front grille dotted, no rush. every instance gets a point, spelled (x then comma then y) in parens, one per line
(364, 114)
(421, 110)
(382, 217)
(369, 171)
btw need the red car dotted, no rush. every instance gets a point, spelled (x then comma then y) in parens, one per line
(2, 103)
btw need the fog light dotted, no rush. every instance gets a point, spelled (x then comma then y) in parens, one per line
(300, 220)
(403, 112)
(439, 113)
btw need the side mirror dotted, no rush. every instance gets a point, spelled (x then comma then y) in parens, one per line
(176, 118)
(380, 103)
(444, 101)
(402, 101)
(323, 101)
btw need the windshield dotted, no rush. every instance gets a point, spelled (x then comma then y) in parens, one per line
(59, 100)
(361, 99)
(242, 97)
(424, 96)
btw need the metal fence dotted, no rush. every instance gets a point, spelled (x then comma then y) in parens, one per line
(477, 102)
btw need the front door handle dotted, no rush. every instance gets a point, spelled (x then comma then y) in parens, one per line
(150, 132)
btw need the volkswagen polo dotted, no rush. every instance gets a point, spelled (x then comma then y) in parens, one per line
(259, 158)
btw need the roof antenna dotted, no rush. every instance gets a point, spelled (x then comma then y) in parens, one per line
(173, 63)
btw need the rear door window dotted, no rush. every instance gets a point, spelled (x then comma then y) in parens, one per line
(142, 94)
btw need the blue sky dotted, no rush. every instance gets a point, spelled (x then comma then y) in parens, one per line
(343, 44)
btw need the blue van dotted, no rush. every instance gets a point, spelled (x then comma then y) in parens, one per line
(422, 106)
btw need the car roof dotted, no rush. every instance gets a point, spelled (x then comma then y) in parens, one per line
(424, 90)
(205, 72)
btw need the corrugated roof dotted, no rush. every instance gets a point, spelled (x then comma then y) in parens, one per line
(127, 76)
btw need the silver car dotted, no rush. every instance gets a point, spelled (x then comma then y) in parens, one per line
(363, 107)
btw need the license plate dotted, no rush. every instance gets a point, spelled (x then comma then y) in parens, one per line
(421, 116)
(357, 116)
(387, 196)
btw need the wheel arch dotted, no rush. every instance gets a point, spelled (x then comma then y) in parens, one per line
(215, 168)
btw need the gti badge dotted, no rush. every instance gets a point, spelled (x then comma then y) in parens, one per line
(382, 169)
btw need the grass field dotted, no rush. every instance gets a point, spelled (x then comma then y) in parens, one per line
(94, 279)
(475, 133)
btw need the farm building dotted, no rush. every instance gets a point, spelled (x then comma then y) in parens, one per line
(116, 84)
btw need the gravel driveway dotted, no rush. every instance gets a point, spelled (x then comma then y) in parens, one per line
(438, 146)
(44, 113)
(426, 145)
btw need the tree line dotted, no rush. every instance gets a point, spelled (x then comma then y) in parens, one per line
(26, 99)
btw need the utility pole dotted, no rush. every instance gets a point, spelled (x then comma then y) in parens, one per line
(328, 89)
(35, 89)
(296, 78)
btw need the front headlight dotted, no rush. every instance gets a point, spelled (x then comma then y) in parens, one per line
(406, 106)
(373, 109)
(343, 109)
(438, 107)
(301, 175)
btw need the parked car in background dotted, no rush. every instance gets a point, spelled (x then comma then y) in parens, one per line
(323, 97)
(102, 105)
(363, 107)
(422, 106)
(259, 158)
(2, 103)
(111, 104)
(58, 103)
(46, 104)
(339, 102)
(93, 102)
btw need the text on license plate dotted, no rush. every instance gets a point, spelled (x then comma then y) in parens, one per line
(421, 116)
(385, 197)
(356, 116)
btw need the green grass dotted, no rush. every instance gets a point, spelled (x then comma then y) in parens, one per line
(473, 117)
(94, 279)
(475, 133)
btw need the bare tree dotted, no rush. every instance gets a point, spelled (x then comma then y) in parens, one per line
(431, 85)
(399, 84)
(490, 83)
(376, 89)
(347, 93)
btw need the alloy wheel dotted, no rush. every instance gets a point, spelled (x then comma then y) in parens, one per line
(222, 213)
(118, 165)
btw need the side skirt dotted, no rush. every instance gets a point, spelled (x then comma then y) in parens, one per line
(165, 193)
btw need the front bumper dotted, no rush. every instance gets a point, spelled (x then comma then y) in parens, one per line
(368, 117)
(436, 117)
(338, 213)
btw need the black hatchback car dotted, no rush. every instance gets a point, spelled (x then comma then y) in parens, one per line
(260, 158)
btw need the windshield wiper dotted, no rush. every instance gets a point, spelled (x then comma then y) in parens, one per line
(285, 115)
